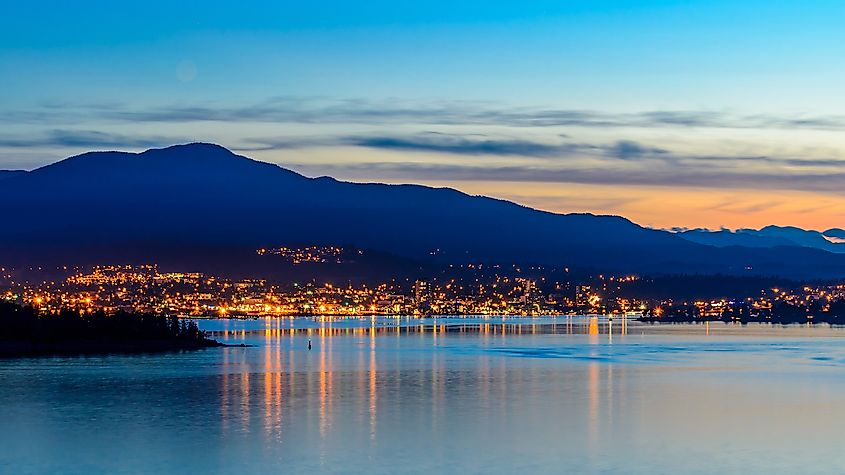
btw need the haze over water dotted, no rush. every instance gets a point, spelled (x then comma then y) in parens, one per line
(543, 395)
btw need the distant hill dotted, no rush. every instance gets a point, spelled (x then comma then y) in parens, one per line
(832, 240)
(835, 235)
(202, 206)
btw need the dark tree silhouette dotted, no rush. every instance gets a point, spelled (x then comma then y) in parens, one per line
(25, 330)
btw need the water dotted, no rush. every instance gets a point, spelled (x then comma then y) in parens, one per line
(548, 395)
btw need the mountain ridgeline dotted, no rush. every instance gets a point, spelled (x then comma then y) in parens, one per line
(832, 240)
(202, 206)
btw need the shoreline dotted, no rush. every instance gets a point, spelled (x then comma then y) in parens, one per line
(17, 349)
(834, 322)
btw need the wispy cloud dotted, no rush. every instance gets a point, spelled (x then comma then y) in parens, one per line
(577, 172)
(551, 157)
(463, 145)
(86, 138)
(318, 110)
(429, 141)
(625, 150)
(623, 162)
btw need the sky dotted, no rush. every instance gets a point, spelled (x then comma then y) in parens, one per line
(670, 113)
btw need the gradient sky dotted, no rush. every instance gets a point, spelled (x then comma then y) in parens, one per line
(672, 113)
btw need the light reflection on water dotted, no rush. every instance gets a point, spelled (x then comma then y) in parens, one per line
(485, 395)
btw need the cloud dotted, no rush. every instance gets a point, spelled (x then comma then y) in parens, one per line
(257, 144)
(734, 206)
(564, 161)
(623, 162)
(462, 145)
(465, 144)
(86, 138)
(579, 173)
(625, 150)
(437, 142)
(555, 160)
(322, 110)
(630, 150)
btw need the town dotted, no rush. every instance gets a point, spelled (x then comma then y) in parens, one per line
(146, 288)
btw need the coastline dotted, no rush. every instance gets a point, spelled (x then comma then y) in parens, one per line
(16, 349)
(784, 321)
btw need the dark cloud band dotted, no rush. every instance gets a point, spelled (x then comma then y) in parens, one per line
(358, 111)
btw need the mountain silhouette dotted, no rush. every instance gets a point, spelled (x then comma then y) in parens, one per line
(11, 173)
(769, 236)
(835, 234)
(202, 205)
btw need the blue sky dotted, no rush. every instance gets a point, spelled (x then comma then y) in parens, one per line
(672, 113)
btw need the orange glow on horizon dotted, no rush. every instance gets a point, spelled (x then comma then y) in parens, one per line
(667, 207)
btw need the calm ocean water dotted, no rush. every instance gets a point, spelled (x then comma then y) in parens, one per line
(385, 396)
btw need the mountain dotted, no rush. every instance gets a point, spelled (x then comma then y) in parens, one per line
(11, 173)
(832, 240)
(725, 238)
(202, 206)
(835, 235)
